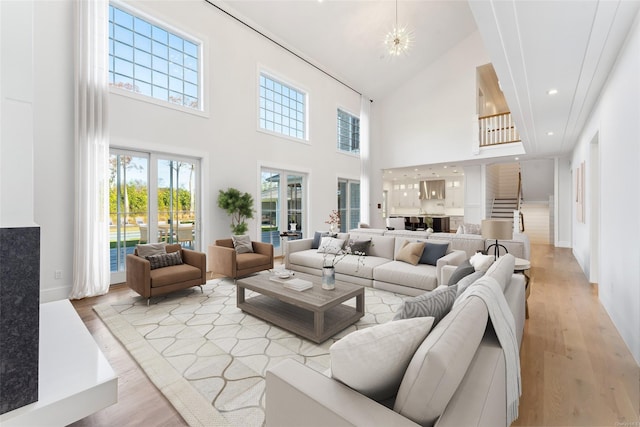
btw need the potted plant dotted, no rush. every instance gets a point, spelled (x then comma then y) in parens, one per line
(293, 225)
(239, 206)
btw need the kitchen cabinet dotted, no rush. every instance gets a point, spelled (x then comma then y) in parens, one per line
(455, 194)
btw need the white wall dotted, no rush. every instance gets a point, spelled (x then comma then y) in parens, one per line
(431, 116)
(615, 120)
(16, 122)
(563, 202)
(227, 139)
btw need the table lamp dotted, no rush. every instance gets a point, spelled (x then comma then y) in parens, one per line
(497, 229)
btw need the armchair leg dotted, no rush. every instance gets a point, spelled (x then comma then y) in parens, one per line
(148, 299)
(201, 290)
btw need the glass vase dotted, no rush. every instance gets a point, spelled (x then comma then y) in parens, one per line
(328, 278)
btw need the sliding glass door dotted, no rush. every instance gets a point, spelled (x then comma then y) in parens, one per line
(282, 205)
(152, 198)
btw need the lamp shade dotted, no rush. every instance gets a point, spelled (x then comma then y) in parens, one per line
(497, 229)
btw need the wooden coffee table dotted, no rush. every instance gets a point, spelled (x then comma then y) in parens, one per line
(315, 314)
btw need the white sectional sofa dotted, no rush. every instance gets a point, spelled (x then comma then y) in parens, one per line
(379, 269)
(456, 377)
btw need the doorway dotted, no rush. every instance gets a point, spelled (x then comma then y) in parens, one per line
(282, 205)
(153, 198)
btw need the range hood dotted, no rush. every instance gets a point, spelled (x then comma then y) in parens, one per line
(432, 190)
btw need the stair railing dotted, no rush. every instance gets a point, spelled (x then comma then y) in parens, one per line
(497, 129)
(519, 200)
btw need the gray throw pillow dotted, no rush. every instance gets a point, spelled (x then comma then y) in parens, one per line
(242, 244)
(433, 252)
(434, 304)
(465, 282)
(164, 260)
(463, 270)
(360, 247)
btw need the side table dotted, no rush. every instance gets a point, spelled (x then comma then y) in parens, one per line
(284, 237)
(523, 266)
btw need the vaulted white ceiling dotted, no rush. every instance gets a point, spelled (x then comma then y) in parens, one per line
(535, 46)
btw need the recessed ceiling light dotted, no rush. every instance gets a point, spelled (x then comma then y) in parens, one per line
(517, 158)
(550, 133)
(415, 170)
(552, 91)
(445, 166)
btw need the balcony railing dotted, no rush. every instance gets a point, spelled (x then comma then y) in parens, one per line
(497, 129)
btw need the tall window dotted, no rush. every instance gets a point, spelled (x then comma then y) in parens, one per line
(282, 108)
(348, 132)
(149, 60)
(348, 204)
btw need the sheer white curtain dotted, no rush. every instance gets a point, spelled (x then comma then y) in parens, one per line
(91, 237)
(365, 159)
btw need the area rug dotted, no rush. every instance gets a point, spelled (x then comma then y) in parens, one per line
(209, 358)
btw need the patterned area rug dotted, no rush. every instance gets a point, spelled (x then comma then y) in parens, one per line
(209, 358)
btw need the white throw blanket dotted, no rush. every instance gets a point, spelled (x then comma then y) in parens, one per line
(489, 290)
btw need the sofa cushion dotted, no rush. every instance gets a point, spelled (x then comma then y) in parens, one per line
(421, 276)
(330, 245)
(410, 252)
(242, 244)
(468, 228)
(467, 281)
(251, 260)
(433, 251)
(164, 260)
(502, 269)
(359, 266)
(373, 360)
(151, 249)
(436, 304)
(382, 246)
(440, 363)
(461, 271)
(174, 274)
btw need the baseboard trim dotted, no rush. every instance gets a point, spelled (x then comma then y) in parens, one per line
(563, 244)
(54, 294)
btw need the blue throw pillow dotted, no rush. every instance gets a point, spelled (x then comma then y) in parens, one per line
(317, 237)
(433, 252)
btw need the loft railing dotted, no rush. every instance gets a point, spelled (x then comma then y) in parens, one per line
(497, 129)
(520, 197)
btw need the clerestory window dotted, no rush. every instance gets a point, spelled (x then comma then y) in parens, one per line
(283, 108)
(148, 59)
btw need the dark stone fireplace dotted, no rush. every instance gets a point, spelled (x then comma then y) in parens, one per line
(19, 316)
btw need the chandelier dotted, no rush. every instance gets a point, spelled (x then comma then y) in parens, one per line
(399, 39)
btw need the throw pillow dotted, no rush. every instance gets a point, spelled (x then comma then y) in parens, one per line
(433, 252)
(467, 281)
(410, 252)
(151, 249)
(315, 244)
(373, 360)
(436, 304)
(164, 260)
(481, 262)
(242, 244)
(330, 245)
(463, 270)
(360, 247)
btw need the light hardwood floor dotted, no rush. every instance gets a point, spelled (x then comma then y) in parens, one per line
(576, 370)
